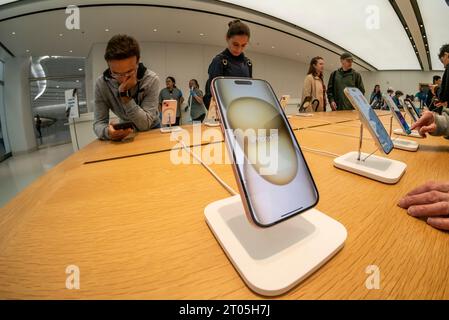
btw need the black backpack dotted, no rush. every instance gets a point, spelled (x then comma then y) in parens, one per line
(224, 67)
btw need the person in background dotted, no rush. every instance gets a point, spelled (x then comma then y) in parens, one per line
(171, 92)
(196, 104)
(390, 92)
(343, 78)
(422, 96)
(231, 62)
(39, 125)
(127, 88)
(314, 86)
(434, 90)
(398, 98)
(443, 93)
(376, 98)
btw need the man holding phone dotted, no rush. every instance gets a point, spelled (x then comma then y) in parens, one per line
(128, 89)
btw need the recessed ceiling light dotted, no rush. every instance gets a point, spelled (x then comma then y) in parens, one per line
(80, 69)
(13, 33)
(421, 25)
(273, 47)
(70, 51)
(423, 36)
(201, 34)
(426, 44)
(107, 30)
(406, 28)
(60, 34)
(57, 87)
(154, 30)
(27, 50)
(411, 38)
(77, 81)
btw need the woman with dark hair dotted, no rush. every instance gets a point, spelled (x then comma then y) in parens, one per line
(314, 87)
(171, 92)
(196, 104)
(231, 62)
(376, 97)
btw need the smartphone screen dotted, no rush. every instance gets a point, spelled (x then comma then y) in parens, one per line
(410, 111)
(274, 180)
(415, 109)
(370, 119)
(397, 114)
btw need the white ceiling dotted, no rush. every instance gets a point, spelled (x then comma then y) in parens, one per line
(370, 28)
(435, 14)
(292, 27)
(45, 33)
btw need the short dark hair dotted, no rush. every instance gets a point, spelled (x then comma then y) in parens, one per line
(436, 78)
(237, 28)
(444, 49)
(172, 80)
(196, 82)
(122, 47)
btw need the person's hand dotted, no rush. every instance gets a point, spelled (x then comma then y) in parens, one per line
(430, 201)
(118, 134)
(333, 106)
(441, 104)
(425, 124)
(129, 83)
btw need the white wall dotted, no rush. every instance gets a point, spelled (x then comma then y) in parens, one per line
(405, 81)
(19, 118)
(187, 61)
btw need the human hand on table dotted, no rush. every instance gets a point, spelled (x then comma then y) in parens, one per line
(430, 201)
(118, 134)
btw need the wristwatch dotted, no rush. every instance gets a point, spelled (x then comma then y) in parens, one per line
(126, 93)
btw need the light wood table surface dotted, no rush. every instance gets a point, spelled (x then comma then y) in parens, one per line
(135, 228)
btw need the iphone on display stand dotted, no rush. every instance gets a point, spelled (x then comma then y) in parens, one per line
(273, 219)
(169, 108)
(369, 165)
(397, 115)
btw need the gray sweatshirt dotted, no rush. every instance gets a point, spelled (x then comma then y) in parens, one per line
(143, 113)
(442, 122)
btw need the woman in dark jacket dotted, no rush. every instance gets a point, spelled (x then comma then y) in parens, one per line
(231, 62)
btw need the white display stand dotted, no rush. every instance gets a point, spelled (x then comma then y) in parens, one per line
(212, 115)
(170, 129)
(406, 145)
(300, 114)
(273, 260)
(414, 134)
(169, 115)
(371, 166)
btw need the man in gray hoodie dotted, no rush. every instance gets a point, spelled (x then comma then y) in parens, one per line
(127, 88)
